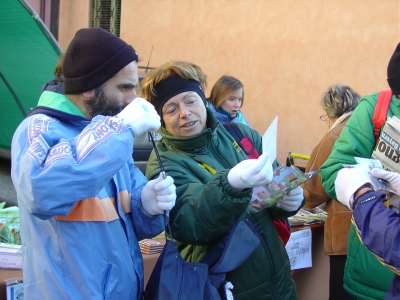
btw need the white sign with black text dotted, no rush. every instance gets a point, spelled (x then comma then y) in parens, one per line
(298, 249)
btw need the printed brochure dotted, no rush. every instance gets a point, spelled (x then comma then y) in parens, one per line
(284, 180)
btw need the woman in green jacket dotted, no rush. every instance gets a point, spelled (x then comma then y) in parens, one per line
(214, 181)
(365, 277)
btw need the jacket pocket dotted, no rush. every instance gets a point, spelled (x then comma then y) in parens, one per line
(105, 280)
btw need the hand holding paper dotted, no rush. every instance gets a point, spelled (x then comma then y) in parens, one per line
(391, 179)
(250, 173)
(292, 200)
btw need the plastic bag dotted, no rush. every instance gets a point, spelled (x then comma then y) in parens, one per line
(9, 225)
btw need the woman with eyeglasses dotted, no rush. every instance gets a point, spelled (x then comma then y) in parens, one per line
(338, 102)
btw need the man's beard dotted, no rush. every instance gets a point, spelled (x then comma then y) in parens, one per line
(100, 104)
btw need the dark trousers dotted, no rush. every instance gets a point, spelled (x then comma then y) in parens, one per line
(336, 289)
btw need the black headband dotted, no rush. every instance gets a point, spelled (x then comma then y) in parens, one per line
(172, 86)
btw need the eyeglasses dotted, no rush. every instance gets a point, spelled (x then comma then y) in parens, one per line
(323, 117)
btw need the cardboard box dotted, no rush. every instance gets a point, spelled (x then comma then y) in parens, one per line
(10, 256)
(7, 275)
(15, 289)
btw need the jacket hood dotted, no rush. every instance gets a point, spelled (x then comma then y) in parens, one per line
(58, 106)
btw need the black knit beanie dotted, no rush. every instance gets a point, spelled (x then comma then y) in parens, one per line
(393, 71)
(94, 56)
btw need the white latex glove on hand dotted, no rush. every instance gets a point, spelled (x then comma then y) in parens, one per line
(250, 173)
(292, 200)
(158, 195)
(141, 116)
(347, 182)
(392, 179)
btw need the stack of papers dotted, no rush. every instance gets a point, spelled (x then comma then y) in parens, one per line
(304, 217)
(148, 246)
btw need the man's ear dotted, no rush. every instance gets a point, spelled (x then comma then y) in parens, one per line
(89, 94)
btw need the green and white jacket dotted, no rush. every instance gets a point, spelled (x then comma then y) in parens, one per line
(207, 207)
(364, 277)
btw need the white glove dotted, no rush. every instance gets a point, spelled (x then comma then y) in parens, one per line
(347, 182)
(141, 116)
(292, 200)
(250, 173)
(392, 179)
(158, 195)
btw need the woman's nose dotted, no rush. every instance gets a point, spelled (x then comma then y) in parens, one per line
(184, 111)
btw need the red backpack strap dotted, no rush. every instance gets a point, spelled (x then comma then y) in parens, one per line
(248, 147)
(381, 110)
(244, 142)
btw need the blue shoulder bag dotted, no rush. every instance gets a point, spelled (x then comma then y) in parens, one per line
(173, 278)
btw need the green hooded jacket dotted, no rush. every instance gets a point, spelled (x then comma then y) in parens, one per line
(207, 207)
(364, 277)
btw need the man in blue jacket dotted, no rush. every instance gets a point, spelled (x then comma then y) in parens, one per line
(83, 205)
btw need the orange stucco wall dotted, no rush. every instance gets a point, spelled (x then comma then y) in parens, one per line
(286, 52)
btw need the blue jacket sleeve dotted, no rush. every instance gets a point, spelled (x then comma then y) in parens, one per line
(378, 227)
(54, 165)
